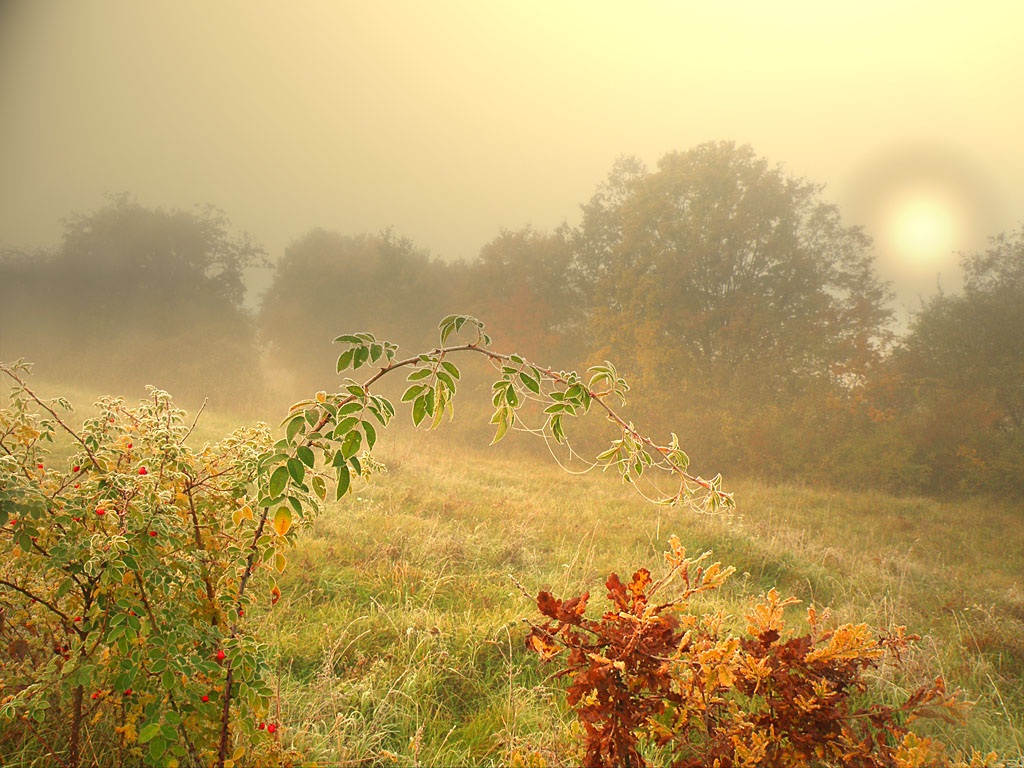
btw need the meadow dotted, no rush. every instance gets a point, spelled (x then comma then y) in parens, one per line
(400, 632)
(399, 636)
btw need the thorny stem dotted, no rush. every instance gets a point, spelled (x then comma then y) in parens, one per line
(597, 397)
(250, 564)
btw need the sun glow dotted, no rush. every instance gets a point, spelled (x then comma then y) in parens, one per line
(924, 227)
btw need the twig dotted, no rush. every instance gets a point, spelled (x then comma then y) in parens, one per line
(194, 421)
(53, 413)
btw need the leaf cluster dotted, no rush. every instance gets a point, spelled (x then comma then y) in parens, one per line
(653, 677)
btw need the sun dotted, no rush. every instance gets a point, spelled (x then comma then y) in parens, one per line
(923, 227)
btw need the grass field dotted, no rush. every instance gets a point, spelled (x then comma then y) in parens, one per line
(400, 633)
(399, 636)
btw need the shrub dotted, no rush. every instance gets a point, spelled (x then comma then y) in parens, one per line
(653, 673)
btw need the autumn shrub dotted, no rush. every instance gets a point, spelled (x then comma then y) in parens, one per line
(652, 674)
(122, 585)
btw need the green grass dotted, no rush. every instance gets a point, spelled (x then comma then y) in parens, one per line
(400, 633)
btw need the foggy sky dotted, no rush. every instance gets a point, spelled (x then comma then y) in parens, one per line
(450, 120)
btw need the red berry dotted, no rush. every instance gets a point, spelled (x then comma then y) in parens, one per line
(152, 533)
(129, 445)
(77, 485)
(128, 692)
(77, 618)
(220, 655)
(95, 695)
(39, 465)
(131, 613)
(205, 697)
(101, 511)
(75, 468)
(271, 728)
(142, 471)
(261, 726)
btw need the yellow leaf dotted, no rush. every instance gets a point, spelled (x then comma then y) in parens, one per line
(282, 520)
(239, 754)
(247, 512)
(236, 517)
(321, 396)
(279, 562)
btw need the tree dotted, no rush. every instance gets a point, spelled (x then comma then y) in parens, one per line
(523, 284)
(330, 280)
(719, 280)
(130, 288)
(732, 270)
(963, 367)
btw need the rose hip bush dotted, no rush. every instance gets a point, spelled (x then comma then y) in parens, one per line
(120, 605)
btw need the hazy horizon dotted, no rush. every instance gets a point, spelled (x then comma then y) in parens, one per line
(450, 121)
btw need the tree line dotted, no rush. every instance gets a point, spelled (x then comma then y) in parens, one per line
(731, 294)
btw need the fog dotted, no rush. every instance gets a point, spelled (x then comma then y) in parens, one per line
(450, 120)
(795, 226)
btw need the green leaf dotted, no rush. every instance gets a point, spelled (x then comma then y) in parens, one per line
(530, 382)
(344, 360)
(446, 379)
(348, 408)
(306, 456)
(348, 338)
(350, 446)
(556, 428)
(319, 487)
(278, 481)
(344, 478)
(295, 426)
(360, 357)
(157, 747)
(148, 731)
(502, 429)
(297, 470)
(371, 435)
(419, 410)
(345, 425)
(413, 392)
